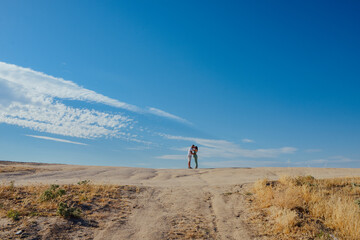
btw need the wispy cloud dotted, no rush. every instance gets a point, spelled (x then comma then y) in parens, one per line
(37, 86)
(173, 157)
(246, 140)
(56, 139)
(331, 160)
(240, 163)
(33, 100)
(57, 118)
(140, 148)
(210, 148)
(161, 113)
(312, 150)
(334, 161)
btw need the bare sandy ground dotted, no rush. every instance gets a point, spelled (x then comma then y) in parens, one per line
(173, 200)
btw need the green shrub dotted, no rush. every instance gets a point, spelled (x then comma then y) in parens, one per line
(67, 212)
(13, 214)
(53, 187)
(47, 195)
(83, 182)
(50, 193)
(60, 192)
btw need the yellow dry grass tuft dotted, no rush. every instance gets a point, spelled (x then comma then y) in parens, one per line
(285, 219)
(44, 200)
(8, 169)
(69, 211)
(304, 207)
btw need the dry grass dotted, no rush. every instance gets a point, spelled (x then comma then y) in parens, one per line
(30, 201)
(307, 208)
(27, 205)
(6, 169)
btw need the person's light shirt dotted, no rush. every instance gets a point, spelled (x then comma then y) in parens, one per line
(190, 151)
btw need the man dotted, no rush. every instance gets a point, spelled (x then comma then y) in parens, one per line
(190, 153)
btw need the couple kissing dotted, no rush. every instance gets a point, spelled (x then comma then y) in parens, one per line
(193, 153)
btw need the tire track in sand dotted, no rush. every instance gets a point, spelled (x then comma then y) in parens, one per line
(167, 213)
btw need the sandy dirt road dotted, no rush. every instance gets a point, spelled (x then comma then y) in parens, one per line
(174, 204)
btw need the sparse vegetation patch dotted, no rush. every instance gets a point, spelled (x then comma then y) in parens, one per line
(307, 208)
(10, 169)
(67, 212)
(52, 192)
(13, 214)
(90, 205)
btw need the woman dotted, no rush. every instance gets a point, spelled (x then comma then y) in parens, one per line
(195, 150)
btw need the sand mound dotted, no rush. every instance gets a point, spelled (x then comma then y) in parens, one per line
(173, 204)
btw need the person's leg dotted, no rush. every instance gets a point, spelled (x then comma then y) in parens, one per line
(189, 157)
(196, 162)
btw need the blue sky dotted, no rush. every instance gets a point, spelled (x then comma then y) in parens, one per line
(135, 83)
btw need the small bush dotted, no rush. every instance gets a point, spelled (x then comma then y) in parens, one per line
(13, 214)
(50, 193)
(83, 182)
(60, 192)
(67, 212)
(53, 187)
(47, 195)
